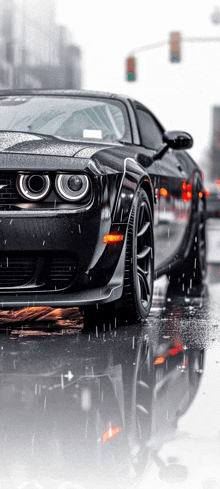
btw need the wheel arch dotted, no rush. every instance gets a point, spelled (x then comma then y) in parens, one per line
(134, 179)
(148, 188)
(146, 185)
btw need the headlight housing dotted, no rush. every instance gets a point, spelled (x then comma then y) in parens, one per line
(33, 187)
(72, 187)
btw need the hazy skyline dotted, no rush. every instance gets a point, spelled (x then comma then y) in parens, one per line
(180, 94)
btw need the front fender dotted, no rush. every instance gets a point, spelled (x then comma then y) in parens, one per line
(134, 177)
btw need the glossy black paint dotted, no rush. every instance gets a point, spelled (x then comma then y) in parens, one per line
(116, 171)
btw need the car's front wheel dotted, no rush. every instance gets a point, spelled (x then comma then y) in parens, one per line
(135, 303)
(139, 266)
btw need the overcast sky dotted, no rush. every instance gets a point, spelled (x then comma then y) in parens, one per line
(181, 95)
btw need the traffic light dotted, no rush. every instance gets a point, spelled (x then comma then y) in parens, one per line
(131, 68)
(175, 47)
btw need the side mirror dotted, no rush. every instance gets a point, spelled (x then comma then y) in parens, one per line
(174, 140)
(178, 140)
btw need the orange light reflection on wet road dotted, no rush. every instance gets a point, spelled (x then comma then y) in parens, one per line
(40, 320)
(110, 433)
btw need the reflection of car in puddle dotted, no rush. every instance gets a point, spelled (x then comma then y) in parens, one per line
(91, 410)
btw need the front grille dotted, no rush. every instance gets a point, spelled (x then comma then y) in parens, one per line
(50, 271)
(62, 271)
(8, 191)
(15, 270)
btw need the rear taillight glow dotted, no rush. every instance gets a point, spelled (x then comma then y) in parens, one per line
(186, 191)
(164, 192)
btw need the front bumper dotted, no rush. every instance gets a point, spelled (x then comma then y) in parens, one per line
(58, 259)
(112, 291)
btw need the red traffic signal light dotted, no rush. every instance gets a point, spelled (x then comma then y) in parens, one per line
(131, 68)
(175, 47)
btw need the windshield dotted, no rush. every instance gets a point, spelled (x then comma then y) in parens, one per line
(65, 117)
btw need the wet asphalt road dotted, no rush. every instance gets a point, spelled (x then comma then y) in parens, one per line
(128, 407)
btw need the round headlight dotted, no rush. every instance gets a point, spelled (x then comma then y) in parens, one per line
(33, 187)
(75, 183)
(72, 187)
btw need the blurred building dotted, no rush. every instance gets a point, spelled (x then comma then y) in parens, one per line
(35, 52)
(215, 145)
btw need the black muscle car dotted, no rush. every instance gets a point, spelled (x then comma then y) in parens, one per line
(96, 200)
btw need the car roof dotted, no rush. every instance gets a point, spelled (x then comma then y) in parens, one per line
(76, 93)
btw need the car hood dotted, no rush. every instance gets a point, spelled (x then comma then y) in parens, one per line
(18, 150)
(25, 143)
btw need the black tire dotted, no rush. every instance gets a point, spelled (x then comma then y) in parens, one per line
(136, 299)
(190, 278)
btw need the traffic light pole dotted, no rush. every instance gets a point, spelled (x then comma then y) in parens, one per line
(163, 43)
(175, 42)
(148, 47)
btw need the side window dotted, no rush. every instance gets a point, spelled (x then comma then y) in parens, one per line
(151, 135)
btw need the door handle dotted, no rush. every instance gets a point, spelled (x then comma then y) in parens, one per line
(181, 170)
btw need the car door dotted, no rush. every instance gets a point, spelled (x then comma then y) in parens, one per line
(169, 177)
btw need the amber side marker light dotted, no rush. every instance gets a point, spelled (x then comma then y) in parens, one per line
(110, 433)
(112, 238)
